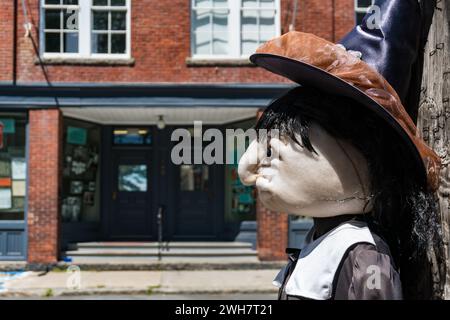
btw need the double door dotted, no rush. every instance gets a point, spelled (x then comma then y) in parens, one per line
(141, 180)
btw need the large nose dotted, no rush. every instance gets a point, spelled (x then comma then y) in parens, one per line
(248, 164)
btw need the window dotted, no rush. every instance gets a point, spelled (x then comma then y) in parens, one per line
(86, 28)
(361, 7)
(81, 172)
(109, 31)
(13, 167)
(132, 178)
(232, 28)
(60, 26)
(194, 177)
(132, 136)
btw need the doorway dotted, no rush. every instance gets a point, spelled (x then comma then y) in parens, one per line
(132, 214)
(140, 178)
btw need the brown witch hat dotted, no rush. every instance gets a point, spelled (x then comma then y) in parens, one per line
(315, 62)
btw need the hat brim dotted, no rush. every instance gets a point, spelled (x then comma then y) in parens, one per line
(310, 76)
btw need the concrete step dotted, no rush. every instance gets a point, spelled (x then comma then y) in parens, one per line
(189, 252)
(154, 245)
(174, 255)
(174, 262)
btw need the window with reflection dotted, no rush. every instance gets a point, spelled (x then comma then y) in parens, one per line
(109, 28)
(85, 28)
(132, 178)
(232, 28)
(61, 32)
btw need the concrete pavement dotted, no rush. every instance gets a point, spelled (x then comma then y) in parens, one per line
(192, 296)
(82, 283)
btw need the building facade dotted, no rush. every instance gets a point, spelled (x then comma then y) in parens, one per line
(90, 94)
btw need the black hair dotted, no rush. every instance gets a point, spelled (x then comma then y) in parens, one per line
(404, 212)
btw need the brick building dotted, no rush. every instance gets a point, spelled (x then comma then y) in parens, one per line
(90, 92)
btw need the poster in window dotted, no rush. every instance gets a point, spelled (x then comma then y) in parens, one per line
(76, 135)
(71, 209)
(5, 198)
(5, 168)
(76, 187)
(19, 168)
(5, 182)
(9, 125)
(18, 188)
(19, 203)
(78, 167)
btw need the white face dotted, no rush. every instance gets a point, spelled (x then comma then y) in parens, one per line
(335, 181)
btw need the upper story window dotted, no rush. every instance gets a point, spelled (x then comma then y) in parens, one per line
(232, 28)
(85, 28)
(61, 31)
(361, 7)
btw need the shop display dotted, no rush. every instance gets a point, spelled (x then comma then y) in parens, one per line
(76, 187)
(19, 188)
(80, 172)
(19, 168)
(13, 168)
(71, 209)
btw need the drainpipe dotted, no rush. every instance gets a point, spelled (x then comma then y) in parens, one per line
(294, 16)
(14, 49)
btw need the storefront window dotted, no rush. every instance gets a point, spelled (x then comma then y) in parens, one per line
(81, 196)
(13, 167)
(240, 202)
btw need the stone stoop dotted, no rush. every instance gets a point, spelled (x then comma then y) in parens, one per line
(173, 256)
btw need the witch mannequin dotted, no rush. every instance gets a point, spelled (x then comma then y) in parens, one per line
(346, 154)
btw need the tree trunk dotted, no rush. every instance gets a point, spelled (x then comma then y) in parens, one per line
(434, 116)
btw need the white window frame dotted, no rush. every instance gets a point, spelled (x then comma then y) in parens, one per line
(234, 31)
(85, 25)
(359, 9)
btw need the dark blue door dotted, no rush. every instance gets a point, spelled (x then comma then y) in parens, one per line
(132, 213)
(194, 215)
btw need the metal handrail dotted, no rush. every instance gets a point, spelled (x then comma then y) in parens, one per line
(160, 231)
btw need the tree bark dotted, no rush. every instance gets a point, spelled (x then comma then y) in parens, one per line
(434, 117)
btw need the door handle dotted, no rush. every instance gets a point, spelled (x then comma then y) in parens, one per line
(114, 195)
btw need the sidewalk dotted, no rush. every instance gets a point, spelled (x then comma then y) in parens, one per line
(140, 282)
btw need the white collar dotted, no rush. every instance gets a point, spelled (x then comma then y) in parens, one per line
(319, 260)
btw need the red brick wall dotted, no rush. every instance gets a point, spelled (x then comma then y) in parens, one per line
(161, 44)
(344, 18)
(272, 234)
(6, 39)
(45, 141)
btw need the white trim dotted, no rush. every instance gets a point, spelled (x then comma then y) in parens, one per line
(234, 29)
(85, 25)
